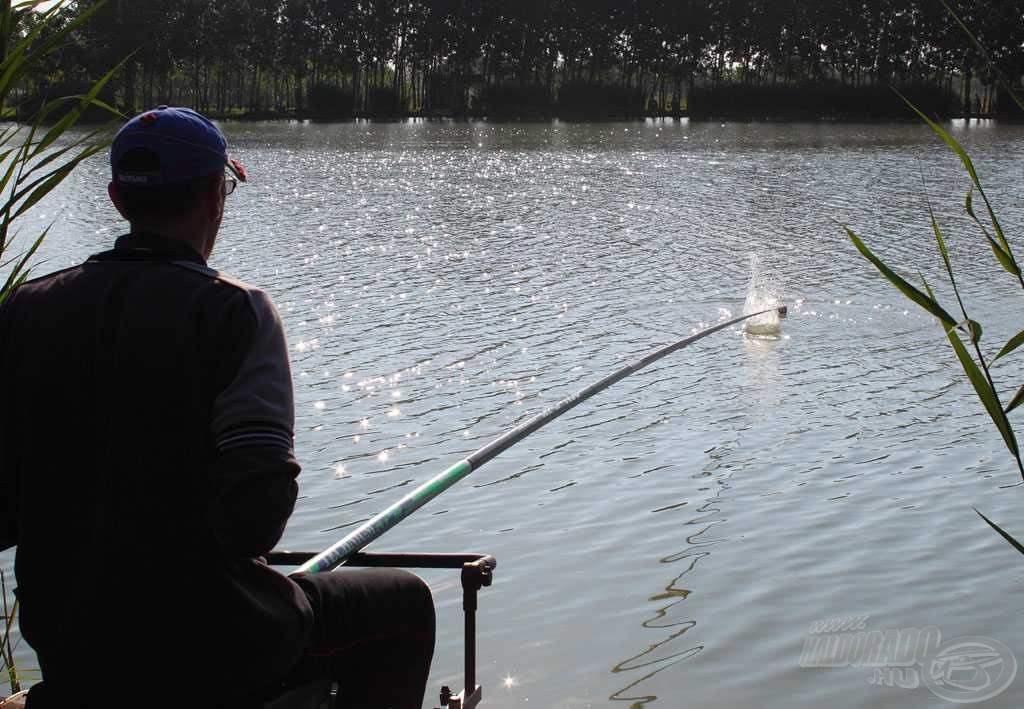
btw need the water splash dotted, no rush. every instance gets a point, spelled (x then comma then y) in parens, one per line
(765, 291)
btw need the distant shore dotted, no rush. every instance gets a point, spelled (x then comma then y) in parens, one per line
(820, 103)
(823, 102)
(539, 118)
(531, 117)
(535, 117)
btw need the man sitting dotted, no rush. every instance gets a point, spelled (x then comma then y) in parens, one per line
(146, 464)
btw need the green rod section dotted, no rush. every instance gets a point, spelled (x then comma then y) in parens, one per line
(372, 529)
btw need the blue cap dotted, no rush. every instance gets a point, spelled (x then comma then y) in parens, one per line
(186, 146)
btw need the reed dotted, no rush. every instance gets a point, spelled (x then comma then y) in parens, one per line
(38, 154)
(963, 332)
(8, 667)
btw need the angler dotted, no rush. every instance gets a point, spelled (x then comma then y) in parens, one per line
(146, 465)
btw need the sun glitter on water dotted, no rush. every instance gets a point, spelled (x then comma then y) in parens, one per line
(764, 292)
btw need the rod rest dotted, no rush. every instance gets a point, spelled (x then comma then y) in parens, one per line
(396, 559)
(477, 572)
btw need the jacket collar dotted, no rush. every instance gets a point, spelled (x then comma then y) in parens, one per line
(144, 246)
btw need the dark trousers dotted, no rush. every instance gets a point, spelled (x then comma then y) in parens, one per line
(373, 634)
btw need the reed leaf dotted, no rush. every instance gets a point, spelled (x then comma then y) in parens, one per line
(41, 186)
(926, 302)
(16, 162)
(51, 156)
(1005, 259)
(20, 272)
(1001, 79)
(971, 327)
(35, 165)
(87, 140)
(19, 58)
(10, 614)
(985, 393)
(26, 52)
(1004, 534)
(1014, 342)
(44, 185)
(981, 385)
(971, 172)
(71, 118)
(6, 651)
(1016, 401)
(22, 277)
(949, 140)
(7, 133)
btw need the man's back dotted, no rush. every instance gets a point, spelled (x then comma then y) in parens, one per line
(137, 436)
(146, 463)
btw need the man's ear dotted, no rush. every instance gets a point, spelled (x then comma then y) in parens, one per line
(115, 197)
(213, 198)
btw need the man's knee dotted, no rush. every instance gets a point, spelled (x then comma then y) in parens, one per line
(411, 592)
(371, 598)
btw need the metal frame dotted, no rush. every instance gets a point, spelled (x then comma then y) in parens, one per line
(477, 572)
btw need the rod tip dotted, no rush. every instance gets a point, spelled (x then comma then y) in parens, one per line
(783, 311)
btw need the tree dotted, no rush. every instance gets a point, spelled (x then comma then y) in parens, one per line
(425, 55)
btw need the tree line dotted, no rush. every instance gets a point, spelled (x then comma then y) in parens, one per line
(454, 57)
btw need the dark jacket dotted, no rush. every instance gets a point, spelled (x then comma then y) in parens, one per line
(145, 464)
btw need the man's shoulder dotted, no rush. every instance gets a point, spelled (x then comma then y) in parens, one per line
(214, 275)
(42, 281)
(38, 289)
(258, 301)
(223, 290)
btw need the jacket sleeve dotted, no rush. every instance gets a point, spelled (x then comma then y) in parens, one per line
(253, 486)
(8, 489)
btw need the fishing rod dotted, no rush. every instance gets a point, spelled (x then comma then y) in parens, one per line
(340, 552)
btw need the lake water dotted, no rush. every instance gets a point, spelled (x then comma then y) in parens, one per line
(668, 543)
